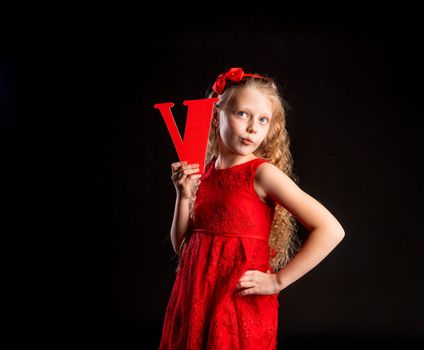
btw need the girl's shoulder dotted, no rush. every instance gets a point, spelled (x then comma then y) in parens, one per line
(266, 172)
(260, 163)
(265, 168)
(261, 173)
(260, 160)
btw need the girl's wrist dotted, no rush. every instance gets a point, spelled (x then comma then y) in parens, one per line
(182, 199)
(280, 284)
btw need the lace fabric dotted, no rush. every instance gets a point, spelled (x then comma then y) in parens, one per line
(229, 236)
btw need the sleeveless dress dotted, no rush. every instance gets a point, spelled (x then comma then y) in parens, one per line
(229, 236)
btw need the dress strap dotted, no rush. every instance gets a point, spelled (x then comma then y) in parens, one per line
(259, 161)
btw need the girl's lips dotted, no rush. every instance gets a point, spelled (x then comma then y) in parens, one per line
(247, 141)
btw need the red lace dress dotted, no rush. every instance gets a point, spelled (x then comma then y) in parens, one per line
(228, 237)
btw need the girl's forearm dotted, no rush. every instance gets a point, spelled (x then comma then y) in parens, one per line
(180, 222)
(319, 243)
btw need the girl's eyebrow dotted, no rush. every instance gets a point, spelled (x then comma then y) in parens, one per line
(245, 108)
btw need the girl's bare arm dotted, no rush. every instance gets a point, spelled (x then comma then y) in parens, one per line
(325, 231)
(184, 177)
(180, 222)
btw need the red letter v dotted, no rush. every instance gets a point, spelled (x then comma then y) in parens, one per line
(199, 115)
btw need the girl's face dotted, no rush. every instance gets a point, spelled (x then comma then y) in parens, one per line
(248, 116)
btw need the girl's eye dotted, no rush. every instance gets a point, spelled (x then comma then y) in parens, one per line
(245, 114)
(241, 113)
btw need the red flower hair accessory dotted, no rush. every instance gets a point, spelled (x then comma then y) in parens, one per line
(233, 74)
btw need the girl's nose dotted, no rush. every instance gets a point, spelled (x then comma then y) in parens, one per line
(252, 125)
(250, 128)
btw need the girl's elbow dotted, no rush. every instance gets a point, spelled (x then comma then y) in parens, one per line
(334, 229)
(340, 233)
(337, 232)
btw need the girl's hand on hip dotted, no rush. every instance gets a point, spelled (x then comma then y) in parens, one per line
(258, 282)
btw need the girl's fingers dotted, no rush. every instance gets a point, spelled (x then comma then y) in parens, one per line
(246, 284)
(183, 166)
(190, 166)
(189, 171)
(176, 165)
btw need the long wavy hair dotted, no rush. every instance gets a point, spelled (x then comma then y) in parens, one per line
(283, 241)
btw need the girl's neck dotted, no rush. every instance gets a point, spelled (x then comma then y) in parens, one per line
(223, 163)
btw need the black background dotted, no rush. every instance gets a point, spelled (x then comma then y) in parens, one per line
(86, 164)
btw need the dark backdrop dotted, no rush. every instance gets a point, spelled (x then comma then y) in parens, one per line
(86, 159)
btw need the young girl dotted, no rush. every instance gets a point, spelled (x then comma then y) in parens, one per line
(234, 226)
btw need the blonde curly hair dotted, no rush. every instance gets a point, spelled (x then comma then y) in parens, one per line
(283, 241)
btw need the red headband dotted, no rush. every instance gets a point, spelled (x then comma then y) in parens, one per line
(233, 74)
